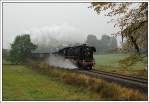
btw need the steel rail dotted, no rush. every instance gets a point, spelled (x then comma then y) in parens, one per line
(133, 78)
(127, 81)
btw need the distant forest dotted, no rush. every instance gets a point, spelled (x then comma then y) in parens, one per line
(105, 45)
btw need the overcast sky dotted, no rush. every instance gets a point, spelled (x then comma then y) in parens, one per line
(69, 21)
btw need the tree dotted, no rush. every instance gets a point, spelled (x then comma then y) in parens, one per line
(133, 17)
(105, 44)
(92, 40)
(113, 43)
(21, 49)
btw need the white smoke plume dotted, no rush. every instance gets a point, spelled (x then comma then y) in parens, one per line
(56, 35)
(61, 62)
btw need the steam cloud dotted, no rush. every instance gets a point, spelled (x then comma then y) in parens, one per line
(61, 62)
(53, 36)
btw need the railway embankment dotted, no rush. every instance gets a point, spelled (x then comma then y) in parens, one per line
(107, 90)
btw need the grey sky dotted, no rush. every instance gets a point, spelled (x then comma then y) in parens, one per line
(60, 20)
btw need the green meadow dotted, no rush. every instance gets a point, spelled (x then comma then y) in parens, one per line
(22, 83)
(110, 63)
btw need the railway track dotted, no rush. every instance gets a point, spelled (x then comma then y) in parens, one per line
(128, 81)
(137, 79)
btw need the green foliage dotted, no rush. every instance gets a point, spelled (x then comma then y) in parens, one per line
(21, 49)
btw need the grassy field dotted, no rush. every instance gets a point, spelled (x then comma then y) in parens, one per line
(109, 62)
(21, 83)
(41, 81)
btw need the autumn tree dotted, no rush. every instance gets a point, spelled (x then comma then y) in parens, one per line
(21, 49)
(132, 20)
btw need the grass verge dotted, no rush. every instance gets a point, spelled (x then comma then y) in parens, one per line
(108, 91)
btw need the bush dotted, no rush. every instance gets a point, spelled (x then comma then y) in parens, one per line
(21, 49)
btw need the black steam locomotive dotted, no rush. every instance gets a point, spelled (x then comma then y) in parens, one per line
(81, 55)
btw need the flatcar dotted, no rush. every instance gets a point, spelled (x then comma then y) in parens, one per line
(81, 55)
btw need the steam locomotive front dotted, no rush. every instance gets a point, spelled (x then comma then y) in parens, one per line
(87, 61)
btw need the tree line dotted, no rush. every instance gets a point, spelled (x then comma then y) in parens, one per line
(105, 45)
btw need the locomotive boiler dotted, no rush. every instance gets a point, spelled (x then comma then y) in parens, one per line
(81, 55)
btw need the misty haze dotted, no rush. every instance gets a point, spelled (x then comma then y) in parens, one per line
(96, 51)
(52, 24)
